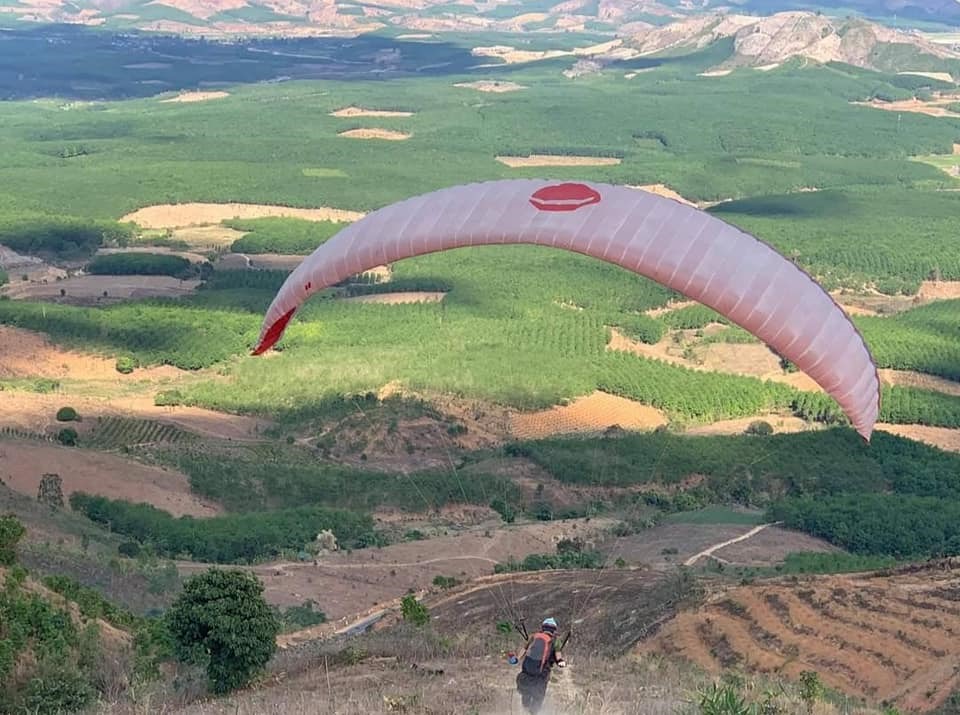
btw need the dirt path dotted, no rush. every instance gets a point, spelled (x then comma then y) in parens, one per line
(716, 547)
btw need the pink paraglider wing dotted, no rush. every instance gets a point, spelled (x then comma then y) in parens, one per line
(686, 249)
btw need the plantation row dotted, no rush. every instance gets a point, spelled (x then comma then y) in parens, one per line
(236, 538)
(205, 151)
(63, 238)
(113, 432)
(267, 478)
(281, 235)
(753, 469)
(895, 238)
(923, 339)
(878, 524)
(154, 332)
(146, 264)
(687, 393)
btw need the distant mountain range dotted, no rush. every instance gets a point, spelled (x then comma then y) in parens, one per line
(346, 17)
(763, 33)
(766, 42)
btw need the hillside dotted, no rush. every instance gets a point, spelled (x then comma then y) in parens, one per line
(770, 41)
(497, 430)
(888, 637)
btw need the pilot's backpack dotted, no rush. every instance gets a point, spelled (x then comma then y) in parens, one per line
(538, 653)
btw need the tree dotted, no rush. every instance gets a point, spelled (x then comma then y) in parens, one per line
(221, 621)
(50, 491)
(11, 531)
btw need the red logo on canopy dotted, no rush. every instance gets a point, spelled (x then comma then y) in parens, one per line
(564, 197)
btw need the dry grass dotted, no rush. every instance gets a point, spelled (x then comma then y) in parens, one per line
(939, 290)
(24, 353)
(200, 214)
(23, 463)
(781, 425)
(592, 413)
(663, 190)
(517, 162)
(374, 133)
(917, 106)
(361, 112)
(208, 237)
(491, 86)
(877, 637)
(196, 96)
(942, 76)
(91, 288)
(356, 584)
(942, 437)
(35, 413)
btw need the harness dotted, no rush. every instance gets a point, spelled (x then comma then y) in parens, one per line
(542, 641)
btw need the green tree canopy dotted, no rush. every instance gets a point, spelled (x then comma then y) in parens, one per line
(221, 621)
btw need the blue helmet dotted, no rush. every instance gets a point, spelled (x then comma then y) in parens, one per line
(549, 623)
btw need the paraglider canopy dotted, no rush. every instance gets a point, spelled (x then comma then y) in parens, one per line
(684, 248)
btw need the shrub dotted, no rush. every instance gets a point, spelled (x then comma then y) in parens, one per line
(130, 549)
(60, 689)
(759, 427)
(67, 414)
(168, 398)
(67, 437)
(222, 622)
(11, 531)
(442, 581)
(413, 611)
(126, 364)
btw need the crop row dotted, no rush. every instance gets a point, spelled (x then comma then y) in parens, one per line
(281, 235)
(145, 264)
(112, 432)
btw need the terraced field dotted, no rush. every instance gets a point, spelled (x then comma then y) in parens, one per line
(884, 637)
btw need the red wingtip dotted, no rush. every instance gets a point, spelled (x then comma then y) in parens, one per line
(272, 335)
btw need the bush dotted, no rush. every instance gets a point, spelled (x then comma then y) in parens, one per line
(67, 414)
(11, 531)
(4, 277)
(413, 611)
(302, 616)
(130, 549)
(126, 364)
(168, 398)
(67, 437)
(445, 581)
(759, 427)
(62, 689)
(222, 622)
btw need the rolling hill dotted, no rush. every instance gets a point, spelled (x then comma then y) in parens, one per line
(770, 41)
(333, 17)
